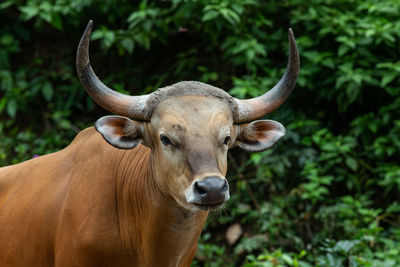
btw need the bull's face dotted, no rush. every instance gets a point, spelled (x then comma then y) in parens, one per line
(189, 127)
(190, 137)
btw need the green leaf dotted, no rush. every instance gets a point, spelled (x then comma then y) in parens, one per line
(97, 34)
(388, 36)
(230, 16)
(47, 91)
(3, 103)
(29, 11)
(12, 108)
(394, 207)
(286, 258)
(357, 78)
(6, 4)
(65, 124)
(352, 163)
(128, 44)
(56, 21)
(388, 77)
(7, 39)
(6, 80)
(210, 15)
(45, 16)
(237, 8)
(46, 6)
(328, 62)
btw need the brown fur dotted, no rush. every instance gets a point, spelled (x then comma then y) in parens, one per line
(92, 205)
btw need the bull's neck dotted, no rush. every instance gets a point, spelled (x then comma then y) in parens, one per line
(152, 225)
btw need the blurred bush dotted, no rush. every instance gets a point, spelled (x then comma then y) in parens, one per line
(327, 195)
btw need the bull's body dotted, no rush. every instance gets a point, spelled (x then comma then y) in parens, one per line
(92, 205)
(105, 200)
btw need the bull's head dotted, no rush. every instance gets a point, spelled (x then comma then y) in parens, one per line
(189, 126)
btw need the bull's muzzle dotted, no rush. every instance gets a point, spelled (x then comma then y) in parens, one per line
(209, 193)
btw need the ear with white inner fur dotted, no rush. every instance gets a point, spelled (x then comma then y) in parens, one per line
(120, 132)
(259, 135)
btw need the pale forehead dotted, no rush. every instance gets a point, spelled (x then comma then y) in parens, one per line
(193, 108)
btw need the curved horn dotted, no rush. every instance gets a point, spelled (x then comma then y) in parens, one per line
(251, 109)
(125, 105)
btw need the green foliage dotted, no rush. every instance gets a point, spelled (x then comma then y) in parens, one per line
(327, 195)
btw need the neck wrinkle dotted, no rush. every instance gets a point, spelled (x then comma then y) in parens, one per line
(135, 192)
(154, 229)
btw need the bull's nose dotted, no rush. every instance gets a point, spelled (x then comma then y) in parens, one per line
(211, 190)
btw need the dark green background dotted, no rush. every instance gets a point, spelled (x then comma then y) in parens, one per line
(326, 195)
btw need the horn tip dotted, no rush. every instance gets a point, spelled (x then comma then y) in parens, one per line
(89, 26)
(292, 40)
(290, 32)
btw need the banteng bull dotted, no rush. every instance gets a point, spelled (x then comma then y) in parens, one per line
(136, 189)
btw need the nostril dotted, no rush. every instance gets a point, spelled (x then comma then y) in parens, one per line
(225, 187)
(212, 190)
(198, 188)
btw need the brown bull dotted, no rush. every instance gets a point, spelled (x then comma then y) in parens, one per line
(105, 200)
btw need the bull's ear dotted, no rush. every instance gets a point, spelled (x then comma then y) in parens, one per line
(119, 131)
(259, 135)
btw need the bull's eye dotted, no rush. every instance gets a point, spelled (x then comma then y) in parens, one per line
(227, 140)
(165, 140)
